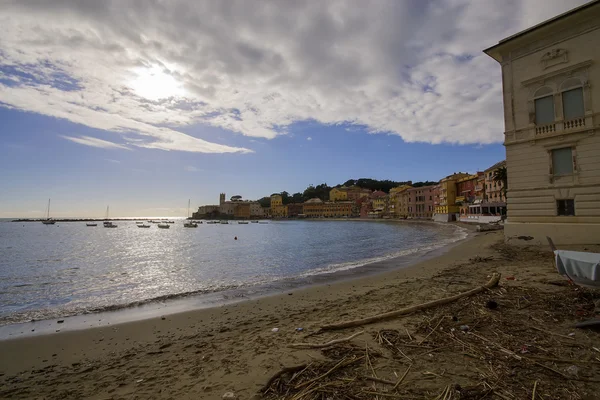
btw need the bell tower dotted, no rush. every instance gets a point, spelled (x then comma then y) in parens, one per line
(221, 199)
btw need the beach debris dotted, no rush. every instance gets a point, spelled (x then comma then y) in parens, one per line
(464, 328)
(275, 330)
(163, 317)
(299, 329)
(409, 310)
(491, 304)
(323, 345)
(571, 334)
(572, 370)
(228, 395)
(60, 321)
(140, 380)
(235, 238)
(510, 278)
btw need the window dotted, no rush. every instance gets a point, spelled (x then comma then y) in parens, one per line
(562, 161)
(573, 103)
(544, 110)
(565, 207)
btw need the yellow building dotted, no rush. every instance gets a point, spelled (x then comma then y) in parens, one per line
(278, 210)
(447, 209)
(396, 201)
(316, 208)
(242, 210)
(551, 89)
(338, 194)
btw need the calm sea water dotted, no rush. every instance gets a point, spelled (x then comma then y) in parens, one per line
(47, 271)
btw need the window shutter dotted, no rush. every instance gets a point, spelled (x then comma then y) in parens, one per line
(573, 103)
(544, 110)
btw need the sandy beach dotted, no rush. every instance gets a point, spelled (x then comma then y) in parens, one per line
(204, 354)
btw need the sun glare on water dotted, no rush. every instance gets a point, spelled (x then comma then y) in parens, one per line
(154, 84)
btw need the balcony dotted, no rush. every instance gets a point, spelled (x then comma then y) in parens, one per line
(575, 123)
(545, 129)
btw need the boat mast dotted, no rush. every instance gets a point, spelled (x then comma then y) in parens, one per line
(188, 212)
(48, 211)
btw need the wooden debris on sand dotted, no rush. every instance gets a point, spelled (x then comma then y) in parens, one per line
(431, 356)
(493, 282)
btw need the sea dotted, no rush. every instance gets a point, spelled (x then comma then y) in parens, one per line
(67, 269)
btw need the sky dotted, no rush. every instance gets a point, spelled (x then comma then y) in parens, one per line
(144, 105)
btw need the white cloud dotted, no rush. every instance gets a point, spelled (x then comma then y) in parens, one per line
(191, 168)
(309, 138)
(95, 142)
(110, 160)
(145, 70)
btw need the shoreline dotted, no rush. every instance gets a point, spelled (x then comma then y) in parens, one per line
(194, 301)
(203, 354)
(287, 311)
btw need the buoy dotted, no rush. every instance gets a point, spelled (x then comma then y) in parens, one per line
(235, 238)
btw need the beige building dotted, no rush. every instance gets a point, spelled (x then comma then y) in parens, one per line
(551, 88)
(256, 210)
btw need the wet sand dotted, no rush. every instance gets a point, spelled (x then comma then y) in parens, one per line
(205, 353)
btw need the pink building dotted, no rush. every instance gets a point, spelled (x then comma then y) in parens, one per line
(421, 202)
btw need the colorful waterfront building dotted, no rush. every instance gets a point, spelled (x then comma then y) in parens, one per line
(353, 193)
(313, 208)
(379, 204)
(338, 194)
(448, 209)
(395, 198)
(242, 210)
(317, 208)
(420, 202)
(294, 210)
(494, 190)
(278, 209)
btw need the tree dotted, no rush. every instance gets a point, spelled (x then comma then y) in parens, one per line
(285, 197)
(297, 198)
(501, 176)
(264, 202)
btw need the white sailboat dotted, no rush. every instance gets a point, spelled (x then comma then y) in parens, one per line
(108, 224)
(48, 221)
(188, 223)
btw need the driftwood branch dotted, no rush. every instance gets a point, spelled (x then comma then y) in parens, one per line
(323, 345)
(409, 310)
(280, 373)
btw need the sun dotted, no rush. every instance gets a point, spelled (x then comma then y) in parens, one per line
(154, 84)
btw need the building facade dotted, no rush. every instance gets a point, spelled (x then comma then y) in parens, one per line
(420, 202)
(551, 89)
(394, 201)
(447, 210)
(256, 210)
(494, 190)
(295, 209)
(278, 210)
(338, 194)
(242, 210)
(317, 208)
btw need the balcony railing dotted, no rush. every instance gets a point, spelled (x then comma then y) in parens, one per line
(544, 129)
(575, 123)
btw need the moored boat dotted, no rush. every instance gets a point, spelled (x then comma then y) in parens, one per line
(48, 221)
(188, 223)
(91, 224)
(163, 225)
(143, 225)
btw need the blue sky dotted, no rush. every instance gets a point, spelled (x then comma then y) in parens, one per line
(143, 108)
